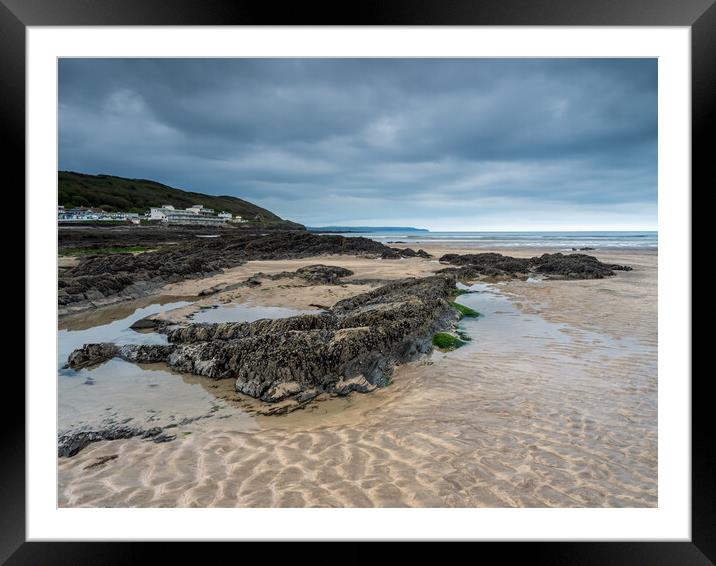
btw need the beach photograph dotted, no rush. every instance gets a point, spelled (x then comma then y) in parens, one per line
(357, 282)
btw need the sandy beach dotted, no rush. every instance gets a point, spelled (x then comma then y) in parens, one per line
(552, 403)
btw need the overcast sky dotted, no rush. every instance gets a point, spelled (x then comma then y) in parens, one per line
(446, 144)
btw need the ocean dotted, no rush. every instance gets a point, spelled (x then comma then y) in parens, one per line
(558, 240)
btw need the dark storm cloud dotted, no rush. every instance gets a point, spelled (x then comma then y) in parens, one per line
(463, 143)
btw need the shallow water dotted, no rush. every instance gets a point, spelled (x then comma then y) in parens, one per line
(113, 330)
(501, 318)
(142, 396)
(117, 391)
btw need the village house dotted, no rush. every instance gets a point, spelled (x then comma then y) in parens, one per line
(195, 215)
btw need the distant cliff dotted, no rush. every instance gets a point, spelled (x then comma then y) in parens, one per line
(138, 195)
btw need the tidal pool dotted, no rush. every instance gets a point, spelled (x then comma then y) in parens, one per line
(120, 392)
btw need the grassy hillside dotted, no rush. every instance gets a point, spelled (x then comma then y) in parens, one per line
(137, 195)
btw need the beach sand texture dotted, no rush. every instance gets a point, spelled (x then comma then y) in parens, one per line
(553, 403)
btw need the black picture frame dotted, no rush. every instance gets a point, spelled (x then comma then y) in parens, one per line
(699, 15)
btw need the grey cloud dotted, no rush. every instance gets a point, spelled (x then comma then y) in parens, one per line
(347, 140)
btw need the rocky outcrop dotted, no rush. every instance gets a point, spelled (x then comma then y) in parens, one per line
(93, 354)
(323, 274)
(312, 274)
(351, 347)
(576, 266)
(397, 253)
(70, 443)
(555, 266)
(98, 277)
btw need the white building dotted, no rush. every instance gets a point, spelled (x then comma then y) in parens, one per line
(196, 215)
(199, 209)
(224, 214)
(187, 217)
(160, 213)
(81, 214)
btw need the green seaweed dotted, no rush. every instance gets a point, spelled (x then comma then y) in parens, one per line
(459, 292)
(463, 310)
(446, 341)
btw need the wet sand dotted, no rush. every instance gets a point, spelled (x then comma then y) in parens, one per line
(291, 292)
(553, 403)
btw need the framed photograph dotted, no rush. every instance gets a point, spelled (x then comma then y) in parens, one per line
(424, 275)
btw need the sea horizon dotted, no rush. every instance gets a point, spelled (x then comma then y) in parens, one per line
(557, 239)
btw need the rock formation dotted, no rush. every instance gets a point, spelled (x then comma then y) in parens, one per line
(555, 266)
(351, 347)
(312, 274)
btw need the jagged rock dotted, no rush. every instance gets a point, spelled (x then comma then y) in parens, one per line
(71, 443)
(557, 265)
(576, 266)
(146, 323)
(351, 347)
(92, 354)
(323, 274)
(408, 252)
(314, 274)
(95, 354)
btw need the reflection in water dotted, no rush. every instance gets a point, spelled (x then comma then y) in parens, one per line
(121, 392)
(110, 313)
(505, 328)
(113, 330)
